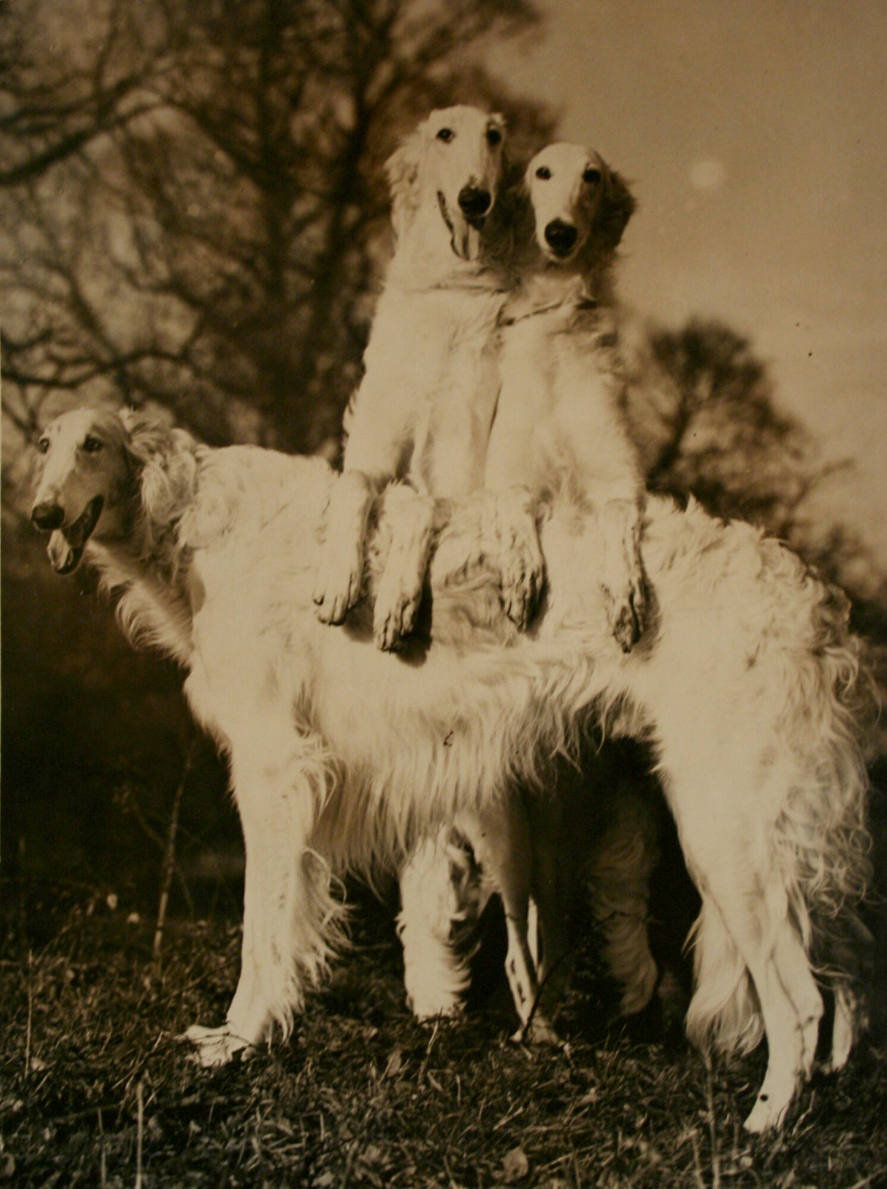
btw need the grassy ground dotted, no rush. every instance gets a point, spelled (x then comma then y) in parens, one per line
(95, 1090)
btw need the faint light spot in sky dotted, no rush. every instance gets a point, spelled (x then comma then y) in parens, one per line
(708, 174)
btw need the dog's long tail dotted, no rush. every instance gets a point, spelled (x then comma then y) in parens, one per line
(823, 830)
(820, 834)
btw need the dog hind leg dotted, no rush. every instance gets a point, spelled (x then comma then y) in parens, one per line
(734, 871)
(500, 837)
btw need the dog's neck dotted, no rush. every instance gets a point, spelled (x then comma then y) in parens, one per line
(144, 565)
(425, 256)
(551, 289)
(151, 610)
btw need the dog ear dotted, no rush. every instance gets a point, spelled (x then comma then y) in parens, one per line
(508, 230)
(164, 461)
(617, 207)
(402, 171)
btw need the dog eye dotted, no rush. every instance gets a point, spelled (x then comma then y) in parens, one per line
(43, 445)
(446, 135)
(543, 172)
(592, 176)
(494, 136)
(92, 444)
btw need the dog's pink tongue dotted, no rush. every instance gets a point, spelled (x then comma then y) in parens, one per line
(62, 556)
(470, 243)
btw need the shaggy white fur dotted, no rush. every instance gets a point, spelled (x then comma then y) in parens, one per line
(558, 427)
(559, 422)
(424, 407)
(747, 681)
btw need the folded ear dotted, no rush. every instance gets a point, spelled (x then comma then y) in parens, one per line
(166, 466)
(617, 207)
(508, 230)
(402, 171)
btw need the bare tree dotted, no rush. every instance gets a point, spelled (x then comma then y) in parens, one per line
(706, 417)
(198, 215)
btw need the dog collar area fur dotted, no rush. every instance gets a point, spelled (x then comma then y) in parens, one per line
(525, 308)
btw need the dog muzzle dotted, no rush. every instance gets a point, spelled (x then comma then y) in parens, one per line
(464, 233)
(66, 545)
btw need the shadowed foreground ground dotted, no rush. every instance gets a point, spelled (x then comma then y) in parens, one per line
(95, 1090)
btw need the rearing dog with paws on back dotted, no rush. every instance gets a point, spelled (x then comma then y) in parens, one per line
(748, 684)
(423, 409)
(558, 432)
(558, 421)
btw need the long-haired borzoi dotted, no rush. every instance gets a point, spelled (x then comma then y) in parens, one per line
(747, 681)
(424, 406)
(558, 426)
(422, 413)
(559, 421)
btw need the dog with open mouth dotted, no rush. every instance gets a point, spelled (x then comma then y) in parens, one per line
(67, 504)
(423, 410)
(750, 688)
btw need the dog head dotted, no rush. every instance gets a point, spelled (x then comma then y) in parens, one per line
(84, 475)
(451, 163)
(580, 206)
(96, 467)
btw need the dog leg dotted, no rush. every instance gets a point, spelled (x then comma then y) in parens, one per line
(548, 932)
(410, 524)
(287, 903)
(554, 886)
(340, 571)
(621, 573)
(501, 840)
(844, 1028)
(440, 888)
(620, 871)
(729, 859)
(512, 538)
(248, 1021)
(791, 1007)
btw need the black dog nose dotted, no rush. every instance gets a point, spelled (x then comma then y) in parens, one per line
(47, 516)
(474, 201)
(561, 236)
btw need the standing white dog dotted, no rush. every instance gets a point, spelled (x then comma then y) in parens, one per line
(748, 683)
(422, 413)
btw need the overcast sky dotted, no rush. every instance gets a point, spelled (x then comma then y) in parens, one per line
(755, 136)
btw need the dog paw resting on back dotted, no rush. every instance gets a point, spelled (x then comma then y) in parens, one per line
(519, 556)
(339, 578)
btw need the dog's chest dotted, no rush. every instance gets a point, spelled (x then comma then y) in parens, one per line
(453, 423)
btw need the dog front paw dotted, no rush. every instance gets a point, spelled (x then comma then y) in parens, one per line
(337, 588)
(394, 614)
(522, 580)
(628, 615)
(521, 565)
(214, 1046)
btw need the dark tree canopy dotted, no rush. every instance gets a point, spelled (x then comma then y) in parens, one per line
(194, 207)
